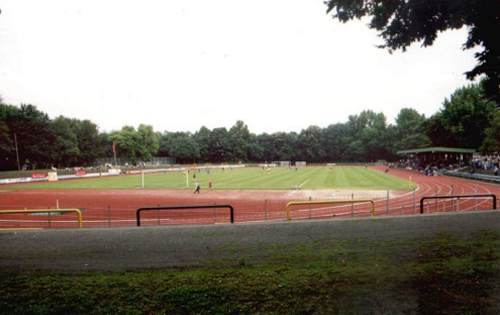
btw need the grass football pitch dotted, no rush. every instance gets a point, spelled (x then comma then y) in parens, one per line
(338, 177)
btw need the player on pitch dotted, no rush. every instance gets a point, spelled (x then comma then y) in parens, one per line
(197, 188)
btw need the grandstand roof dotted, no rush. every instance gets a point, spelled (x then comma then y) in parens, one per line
(437, 149)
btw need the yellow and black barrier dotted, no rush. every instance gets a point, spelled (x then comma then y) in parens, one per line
(77, 211)
(328, 202)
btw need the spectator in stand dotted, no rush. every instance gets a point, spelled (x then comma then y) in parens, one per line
(487, 164)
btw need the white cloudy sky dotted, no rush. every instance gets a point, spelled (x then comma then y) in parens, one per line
(278, 65)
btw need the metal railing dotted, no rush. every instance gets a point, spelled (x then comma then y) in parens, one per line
(328, 202)
(494, 199)
(138, 212)
(48, 211)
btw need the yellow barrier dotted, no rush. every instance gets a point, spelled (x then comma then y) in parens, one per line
(329, 202)
(78, 212)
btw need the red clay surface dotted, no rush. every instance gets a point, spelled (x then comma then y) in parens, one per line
(113, 208)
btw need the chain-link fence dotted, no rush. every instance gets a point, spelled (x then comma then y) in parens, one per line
(245, 211)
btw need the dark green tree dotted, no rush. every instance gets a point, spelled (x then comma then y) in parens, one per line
(149, 142)
(87, 134)
(255, 150)
(202, 137)
(104, 147)
(238, 141)
(66, 151)
(309, 144)
(374, 136)
(334, 141)
(367, 136)
(410, 130)
(463, 119)
(136, 145)
(181, 146)
(219, 148)
(265, 142)
(35, 138)
(6, 147)
(491, 143)
(127, 143)
(402, 22)
(282, 146)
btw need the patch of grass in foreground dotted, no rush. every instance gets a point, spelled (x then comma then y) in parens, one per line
(444, 275)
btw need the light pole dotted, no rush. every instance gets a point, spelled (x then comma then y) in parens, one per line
(17, 152)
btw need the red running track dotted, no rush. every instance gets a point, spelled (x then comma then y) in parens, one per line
(113, 208)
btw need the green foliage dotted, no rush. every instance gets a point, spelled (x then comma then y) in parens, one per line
(66, 149)
(491, 143)
(456, 277)
(136, 145)
(401, 23)
(181, 146)
(43, 142)
(89, 141)
(467, 119)
(309, 145)
(238, 142)
(443, 275)
(410, 130)
(6, 143)
(202, 137)
(334, 140)
(279, 146)
(127, 143)
(149, 142)
(219, 147)
(34, 136)
(255, 151)
(367, 140)
(463, 119)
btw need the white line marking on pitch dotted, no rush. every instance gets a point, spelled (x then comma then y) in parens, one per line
(304, 182)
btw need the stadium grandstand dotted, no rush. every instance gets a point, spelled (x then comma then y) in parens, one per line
(440, 157)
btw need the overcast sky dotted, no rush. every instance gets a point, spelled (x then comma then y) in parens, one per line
(278, 65)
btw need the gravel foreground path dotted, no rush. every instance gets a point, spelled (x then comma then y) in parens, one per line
(119, 249)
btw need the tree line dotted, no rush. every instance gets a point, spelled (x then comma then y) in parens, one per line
(466, 119)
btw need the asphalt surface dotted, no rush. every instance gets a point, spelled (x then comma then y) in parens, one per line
(120, 249)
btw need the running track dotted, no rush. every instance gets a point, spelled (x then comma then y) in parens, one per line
(113, 208)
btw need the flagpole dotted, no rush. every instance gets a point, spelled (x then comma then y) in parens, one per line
(17, 152)
(114, 152)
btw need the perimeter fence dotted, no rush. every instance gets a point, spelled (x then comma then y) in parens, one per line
(112, 215)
